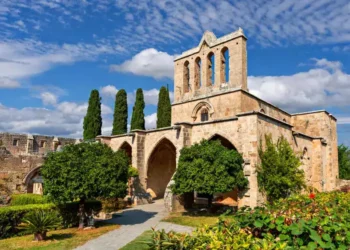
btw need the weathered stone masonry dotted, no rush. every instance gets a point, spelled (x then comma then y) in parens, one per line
(224, 109)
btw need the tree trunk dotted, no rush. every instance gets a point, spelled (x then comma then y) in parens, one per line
(81, 213)
(210, 201)
(40, 236)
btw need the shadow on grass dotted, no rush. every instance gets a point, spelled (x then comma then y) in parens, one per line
(60, 236)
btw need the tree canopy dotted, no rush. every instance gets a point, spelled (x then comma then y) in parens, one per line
(93, 119)
(164, 108)
(138, 117)
(120, 117)
(344, 162)
(85, 171)
(278, 173)
(209, 168)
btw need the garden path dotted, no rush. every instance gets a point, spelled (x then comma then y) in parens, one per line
(134, 222)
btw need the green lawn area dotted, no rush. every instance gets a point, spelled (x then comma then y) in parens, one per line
(137, 243)
(191, 220)
(60, 239)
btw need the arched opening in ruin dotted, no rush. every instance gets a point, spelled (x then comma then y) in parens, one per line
(126, 147)
(211, 69)
(160, 168)
(186, 77)
(224, 142)
(225, 65)
(198, 73)
(34, 181)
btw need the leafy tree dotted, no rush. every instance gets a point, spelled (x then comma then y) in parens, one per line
(93, 119)
(120, 121)
(208, 168)
(344, 162)
(164, 109)
(278, 173)
(138, 117)
(85, 171)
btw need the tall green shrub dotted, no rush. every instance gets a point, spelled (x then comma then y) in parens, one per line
(279, 175)
(344, 162)
(93, 119)
(25, 199)
(209, 168)
(164, 109)
(120, 118)
(85, 171)
(138, 117)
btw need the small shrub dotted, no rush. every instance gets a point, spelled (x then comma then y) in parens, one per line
(11, 217)
(39, 222)
(26, 199)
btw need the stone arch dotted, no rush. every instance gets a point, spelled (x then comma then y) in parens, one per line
(33, 181)
(225, 65)
(262, 111)
(186, 77)
(199, 106)
(161, 166)
(210, 69)
(198, 73)
(126, 147)
(224, 141)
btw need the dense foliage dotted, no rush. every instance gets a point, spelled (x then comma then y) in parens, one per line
(120, 117)
(163, 109)
(85, 171)
(12, 216)
(93, 119)
(279, 175)
(39, 222)
(209, 168)
(344, 162)
(138, 117)
(25, 199)
(299, 222)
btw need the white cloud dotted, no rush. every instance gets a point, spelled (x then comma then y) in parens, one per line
(149, 62)
(48, 98)
(323, 86)
(343, 120)
(108, 91)
(8, 83)
(151, 121)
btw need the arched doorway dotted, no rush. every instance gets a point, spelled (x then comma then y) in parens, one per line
(126, 147)
(34, 181)
(161, 167)
(224, 142)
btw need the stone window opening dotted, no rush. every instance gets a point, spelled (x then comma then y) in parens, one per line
(262, 111)
(186, 77)
(198, 72)
(225, 65)
(15, 142)
(43, 144)
(305, 155)
(204, 115)
(211, 69)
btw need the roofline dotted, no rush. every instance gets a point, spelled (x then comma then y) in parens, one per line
(315, 111)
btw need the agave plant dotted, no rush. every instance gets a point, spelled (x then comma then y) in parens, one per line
(40, 222)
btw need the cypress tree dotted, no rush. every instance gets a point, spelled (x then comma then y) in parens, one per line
(138, 117)
(164, 108)
(93, 119)
(120, 117)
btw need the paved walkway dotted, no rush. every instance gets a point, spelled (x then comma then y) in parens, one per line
(134, 222)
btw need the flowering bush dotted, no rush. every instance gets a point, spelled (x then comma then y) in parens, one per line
(299, 222)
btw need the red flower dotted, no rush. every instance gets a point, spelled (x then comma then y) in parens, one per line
(312, 196)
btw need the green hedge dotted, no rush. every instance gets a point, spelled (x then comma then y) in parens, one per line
(11, 216)
(26, 199)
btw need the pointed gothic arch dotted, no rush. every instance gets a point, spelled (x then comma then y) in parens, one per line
(198, 73)
(224, 141)
(126, 147)
(161, 166)
(200, 106)
(210, 69)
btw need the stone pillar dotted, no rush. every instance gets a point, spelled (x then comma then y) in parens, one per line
(29, 146)
(55, 143)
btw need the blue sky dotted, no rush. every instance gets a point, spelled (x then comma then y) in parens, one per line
(53, 53)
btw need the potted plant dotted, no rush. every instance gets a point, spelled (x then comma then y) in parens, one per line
(39, 222)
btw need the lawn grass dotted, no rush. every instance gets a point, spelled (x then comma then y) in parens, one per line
(191, 220)
(137, 244)
(60, 239)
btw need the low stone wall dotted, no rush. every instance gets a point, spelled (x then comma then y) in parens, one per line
(342, 183)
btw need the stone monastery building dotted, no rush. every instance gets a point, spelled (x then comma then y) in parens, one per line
(212, 101)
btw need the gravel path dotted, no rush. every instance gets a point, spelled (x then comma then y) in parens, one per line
(134, 222)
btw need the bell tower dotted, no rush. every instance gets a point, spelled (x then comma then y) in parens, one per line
(215, 65)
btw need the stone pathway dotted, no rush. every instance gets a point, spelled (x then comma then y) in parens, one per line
(134, 222)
